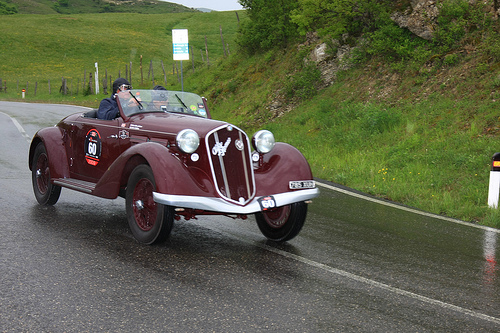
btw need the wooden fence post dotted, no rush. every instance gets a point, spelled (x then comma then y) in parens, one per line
(142, 77)
(105, 82)
(222, 39)
(152, 73)
(63, 86)
(206, 49)
(164, 74)
(91, 89)
(130, 73)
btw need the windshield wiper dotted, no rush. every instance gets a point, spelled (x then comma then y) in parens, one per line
(180, 100)
(138, 102)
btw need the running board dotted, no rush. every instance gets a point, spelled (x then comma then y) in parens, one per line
(75, 184)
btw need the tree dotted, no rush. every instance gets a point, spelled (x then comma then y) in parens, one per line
(269, 24)
(336, 17)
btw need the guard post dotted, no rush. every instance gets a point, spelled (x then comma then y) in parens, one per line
(494, 188)
(23, 92)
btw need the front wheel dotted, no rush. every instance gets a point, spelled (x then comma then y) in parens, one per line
(46, 193)
(283, 223)
(150, 222)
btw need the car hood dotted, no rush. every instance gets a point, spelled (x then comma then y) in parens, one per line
(173, 123)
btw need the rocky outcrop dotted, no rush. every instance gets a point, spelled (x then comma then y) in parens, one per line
(329, 64)
(421, 18)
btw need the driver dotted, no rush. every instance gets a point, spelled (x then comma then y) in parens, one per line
(108, 108)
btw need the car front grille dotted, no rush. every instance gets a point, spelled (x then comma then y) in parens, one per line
(229, 150)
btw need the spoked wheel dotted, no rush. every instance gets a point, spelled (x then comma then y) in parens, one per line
(46, 193)
(282, 223)
(149, 221)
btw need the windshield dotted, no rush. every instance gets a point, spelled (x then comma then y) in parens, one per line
(137, 101)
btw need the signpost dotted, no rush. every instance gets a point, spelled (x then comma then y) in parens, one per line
(180, 43)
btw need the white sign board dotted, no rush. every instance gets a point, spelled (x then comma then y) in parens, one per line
(180, 43)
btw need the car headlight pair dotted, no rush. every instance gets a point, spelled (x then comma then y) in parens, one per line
(188, 141)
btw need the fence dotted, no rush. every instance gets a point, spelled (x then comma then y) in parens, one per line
(87, 82)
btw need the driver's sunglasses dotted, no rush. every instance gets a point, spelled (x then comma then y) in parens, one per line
(124, 87)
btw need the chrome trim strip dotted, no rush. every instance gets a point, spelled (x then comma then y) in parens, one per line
(223, 169)
(245, 168)
(223, 206)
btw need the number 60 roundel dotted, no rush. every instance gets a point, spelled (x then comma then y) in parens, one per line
(92, 147)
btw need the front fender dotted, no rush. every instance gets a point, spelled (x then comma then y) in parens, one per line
(53, 140)
(172, 176)
(283, 164)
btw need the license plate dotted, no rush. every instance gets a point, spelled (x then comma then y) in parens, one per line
(301, 184)
(267, 203)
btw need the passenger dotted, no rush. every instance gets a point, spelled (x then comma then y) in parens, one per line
(160, 98)
(108, 108)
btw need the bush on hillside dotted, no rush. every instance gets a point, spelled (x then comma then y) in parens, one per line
(269, 25)
(7, 9)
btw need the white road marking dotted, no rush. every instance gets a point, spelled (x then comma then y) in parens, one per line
(405, 208)
(18, 126)
(354, 277)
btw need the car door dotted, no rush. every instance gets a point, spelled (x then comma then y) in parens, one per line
(94, 147)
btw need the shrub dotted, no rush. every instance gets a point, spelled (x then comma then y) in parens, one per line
(7, 9)
(304, 84)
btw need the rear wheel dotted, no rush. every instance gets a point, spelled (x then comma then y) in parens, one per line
(46, 193)
(283, 223)
(149, 221)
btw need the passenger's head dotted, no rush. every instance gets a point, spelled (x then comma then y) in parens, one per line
(160, 97)
(121, 84)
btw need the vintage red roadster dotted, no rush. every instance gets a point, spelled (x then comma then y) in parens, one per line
(168, 159)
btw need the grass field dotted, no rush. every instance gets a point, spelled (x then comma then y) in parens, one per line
(49, 47)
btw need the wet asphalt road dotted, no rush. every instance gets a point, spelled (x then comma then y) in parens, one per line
(356, 266)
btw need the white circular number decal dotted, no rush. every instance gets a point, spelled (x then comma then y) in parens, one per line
(93, 147)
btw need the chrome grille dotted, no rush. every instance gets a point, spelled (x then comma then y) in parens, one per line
(229, 153)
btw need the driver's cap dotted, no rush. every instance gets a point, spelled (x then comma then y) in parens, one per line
(118, 82)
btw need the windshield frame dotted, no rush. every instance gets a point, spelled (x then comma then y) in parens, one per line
(143, 101)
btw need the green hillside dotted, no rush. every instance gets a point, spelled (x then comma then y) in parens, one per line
(419, 132)
(48, 47)
(95, 6)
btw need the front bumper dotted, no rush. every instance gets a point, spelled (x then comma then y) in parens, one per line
(222, 206)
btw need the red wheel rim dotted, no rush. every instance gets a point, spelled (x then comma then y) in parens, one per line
(42, 173)
(145, 209)
(277, 217)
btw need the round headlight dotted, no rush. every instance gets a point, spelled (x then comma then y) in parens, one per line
(188, 141)
(263, 141)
